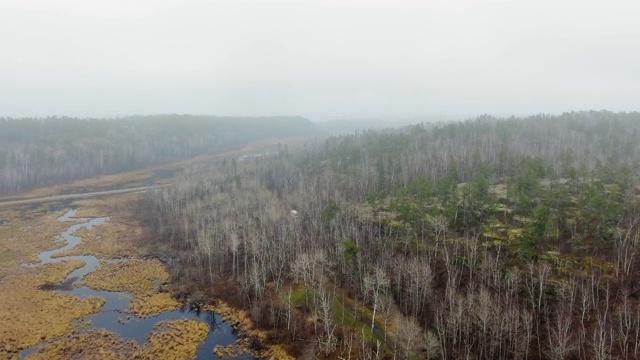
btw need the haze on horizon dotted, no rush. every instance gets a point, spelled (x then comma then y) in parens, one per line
(322, 59)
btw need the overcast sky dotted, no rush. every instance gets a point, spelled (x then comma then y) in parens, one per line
(322, 59)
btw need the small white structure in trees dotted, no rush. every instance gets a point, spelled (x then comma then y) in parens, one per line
(294, 213)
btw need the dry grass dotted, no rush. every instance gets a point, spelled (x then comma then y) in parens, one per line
(22, 240)
(239, 319)
(145, 305)
(115, 239)
(94, 344)
(240, 347)
(274, 352)
(114, 206)
(29, 315)
(107, 241)
(178, 339)
(138, 277)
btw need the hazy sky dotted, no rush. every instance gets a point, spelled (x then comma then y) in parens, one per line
(321, 59)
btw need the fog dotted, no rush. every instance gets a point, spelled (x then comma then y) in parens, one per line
(322, 59)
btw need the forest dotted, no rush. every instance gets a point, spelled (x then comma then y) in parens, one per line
(491, 238)
(36, 152)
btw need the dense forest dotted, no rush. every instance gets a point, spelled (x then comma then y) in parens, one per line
(44, 151)
(490, 238)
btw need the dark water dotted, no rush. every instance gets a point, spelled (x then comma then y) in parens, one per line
(113, 317)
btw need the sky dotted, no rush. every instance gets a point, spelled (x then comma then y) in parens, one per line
(321, 59)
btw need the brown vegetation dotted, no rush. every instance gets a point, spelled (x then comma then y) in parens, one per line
(178, 339)
(94, 344)
(117, 238)
(25, 235)
(29, 315)
(108, 241)
(115, 207)
(138, 277)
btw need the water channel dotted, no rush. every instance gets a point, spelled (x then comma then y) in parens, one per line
(114, 310)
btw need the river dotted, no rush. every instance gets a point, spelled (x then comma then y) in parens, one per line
(117, 303)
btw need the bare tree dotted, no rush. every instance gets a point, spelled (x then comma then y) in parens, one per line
(327, 341)
(601, 339)
(376, 284)
(410, 336)
(625, 249)
(626, 322)
(560, 340)
(387, 311)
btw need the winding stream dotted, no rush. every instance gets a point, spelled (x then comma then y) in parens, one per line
(117, 303)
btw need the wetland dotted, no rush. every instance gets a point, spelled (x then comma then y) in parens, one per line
(93, 303)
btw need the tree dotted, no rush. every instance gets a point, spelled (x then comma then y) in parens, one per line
(410, 336)
(376, 284)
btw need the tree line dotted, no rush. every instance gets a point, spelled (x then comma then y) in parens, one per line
(489, 238)
(36, 152)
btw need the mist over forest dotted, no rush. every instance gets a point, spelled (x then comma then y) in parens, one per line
(320, 179)
(44, 151)
(497, 237)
